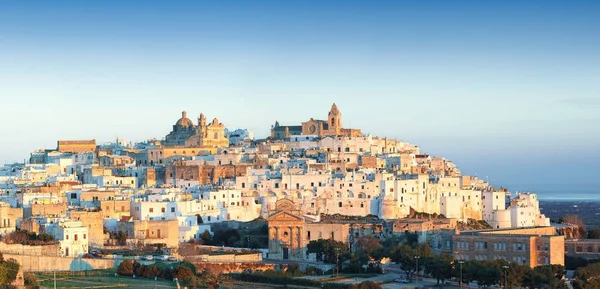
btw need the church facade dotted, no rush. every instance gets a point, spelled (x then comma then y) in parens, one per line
(290, 232)
(186, 134)
(330, 127)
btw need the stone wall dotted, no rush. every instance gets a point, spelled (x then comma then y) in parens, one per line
(76, 146)
(226, 258)
(47, 210)
(46, 250)
(52, 263)
(226, 268)
(368, 161)
(229, 172)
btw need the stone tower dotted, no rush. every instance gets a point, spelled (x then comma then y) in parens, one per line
(202, 125)
(335, 120)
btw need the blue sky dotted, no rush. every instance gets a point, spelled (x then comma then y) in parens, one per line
(509, 90)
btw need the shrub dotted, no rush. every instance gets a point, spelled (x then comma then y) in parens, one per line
(293, 269)
(30, 279)
(311, 270)
(127, 267)
(28, 238)
(150, 272)
(8, 271)
(366, 285)
(182, 272)
(189, 266)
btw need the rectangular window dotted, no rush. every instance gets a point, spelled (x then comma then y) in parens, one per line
(172, 209)
(151, 210)
(162, 210)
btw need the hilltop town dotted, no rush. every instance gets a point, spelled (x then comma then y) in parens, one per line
(306, 182)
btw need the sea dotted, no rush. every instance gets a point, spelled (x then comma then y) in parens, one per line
(561, 192)
(560, 200)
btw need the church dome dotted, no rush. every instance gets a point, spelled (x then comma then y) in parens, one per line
(184, 121)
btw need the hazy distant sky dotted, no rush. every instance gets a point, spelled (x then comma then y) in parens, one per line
(508, 90)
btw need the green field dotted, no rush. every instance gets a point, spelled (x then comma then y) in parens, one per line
(99, 279)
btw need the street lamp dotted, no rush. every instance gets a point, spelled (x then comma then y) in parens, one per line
(337, 262)
(460, 263)
(417, 269)
(505, 276)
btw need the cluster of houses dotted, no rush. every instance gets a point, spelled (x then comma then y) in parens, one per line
(170, 191)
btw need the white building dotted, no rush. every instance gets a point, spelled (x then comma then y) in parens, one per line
(238, 136)
(525, 211)
(72, 236)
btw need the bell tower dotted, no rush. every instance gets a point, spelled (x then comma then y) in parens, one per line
(335, 120)
(202, 125)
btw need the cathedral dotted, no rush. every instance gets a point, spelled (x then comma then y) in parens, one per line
(315, 127)
(186, 134)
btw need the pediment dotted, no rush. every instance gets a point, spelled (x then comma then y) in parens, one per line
(285, 205)
(284, 216)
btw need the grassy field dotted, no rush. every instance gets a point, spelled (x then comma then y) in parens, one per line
(99, 279)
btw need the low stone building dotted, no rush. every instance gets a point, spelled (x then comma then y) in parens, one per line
(584, 248)
(151, 232)
(534, 246)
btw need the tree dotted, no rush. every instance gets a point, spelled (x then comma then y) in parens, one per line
(575, 220)
(412, 239)
(370, 246)
(329, 251)
(405, 256)
(593, 234)
(206, 237)
(121, 238)
(515, 273)
(587, 277)
(469, 270)
(548, 276)
(357, 261)
(487, 276)
(225, 237)
(439, 267)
